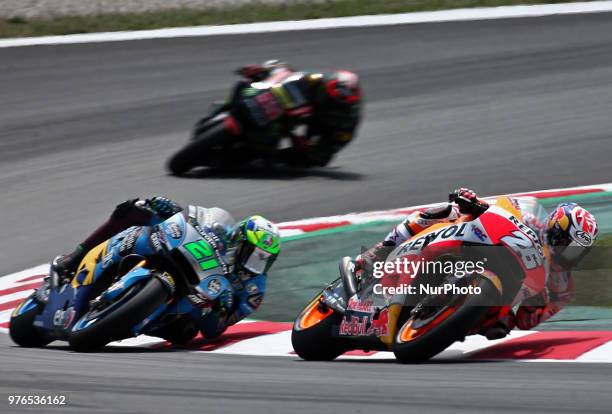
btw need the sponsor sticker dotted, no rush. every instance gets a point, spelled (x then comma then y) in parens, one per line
(214, 286)
(174, 230)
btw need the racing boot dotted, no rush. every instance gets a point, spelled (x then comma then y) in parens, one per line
(501, 328)
(63, 267)
(497, 331)
(179, 332)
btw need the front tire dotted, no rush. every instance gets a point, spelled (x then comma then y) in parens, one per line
(22, 330)
(449, 325)
(312, 337)
(118, 323)
(196, 152)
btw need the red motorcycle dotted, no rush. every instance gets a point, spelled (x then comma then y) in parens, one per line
(426, 296)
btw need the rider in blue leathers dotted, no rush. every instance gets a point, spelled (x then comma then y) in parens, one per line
(248, 249)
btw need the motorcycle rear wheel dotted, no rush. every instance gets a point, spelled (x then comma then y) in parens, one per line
(118, 323)
(451, 323)
(197, 152)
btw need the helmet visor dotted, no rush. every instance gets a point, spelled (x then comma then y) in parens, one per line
(257, 261)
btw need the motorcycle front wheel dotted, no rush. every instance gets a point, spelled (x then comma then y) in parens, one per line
(197, 152)
(312, 337)
(21, 326)
(98, 327)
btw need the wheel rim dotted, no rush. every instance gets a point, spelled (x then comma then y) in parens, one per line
(416, 326)
(409, 331)
(313, 314)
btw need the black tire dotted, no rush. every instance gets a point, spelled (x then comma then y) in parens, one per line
(316, 343)
(118, 323)
(454, 328)
(195, 152)
(23, 332)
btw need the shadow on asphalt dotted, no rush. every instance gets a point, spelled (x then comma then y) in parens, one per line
(109, 349)
(392, 361)
(273, 173)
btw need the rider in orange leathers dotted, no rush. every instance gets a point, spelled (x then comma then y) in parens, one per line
(569, 225)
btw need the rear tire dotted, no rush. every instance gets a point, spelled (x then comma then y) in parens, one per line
(316, 343)
(455, 327)
(120, 321)
(23, 332)
(195, 153)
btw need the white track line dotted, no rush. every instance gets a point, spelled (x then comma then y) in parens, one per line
(14, 296)
(505, 12)
(602, 353)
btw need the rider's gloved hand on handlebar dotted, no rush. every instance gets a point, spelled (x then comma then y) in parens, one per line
(163, 206)
(468, 202)
(364, 263)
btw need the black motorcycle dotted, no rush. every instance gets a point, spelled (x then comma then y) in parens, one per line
(225, 137)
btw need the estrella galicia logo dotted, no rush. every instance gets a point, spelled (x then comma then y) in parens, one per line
(214, 286)
(174, 230)
(128, 242)
(255, 300)
(251, 288)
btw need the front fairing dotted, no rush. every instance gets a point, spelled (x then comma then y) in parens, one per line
(65, 305)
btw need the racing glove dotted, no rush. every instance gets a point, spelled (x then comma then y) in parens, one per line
(163, 206)
(468, 202)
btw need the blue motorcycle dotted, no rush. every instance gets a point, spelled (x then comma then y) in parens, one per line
(144, 280)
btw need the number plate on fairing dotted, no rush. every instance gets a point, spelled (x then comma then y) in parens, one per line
(200, 253)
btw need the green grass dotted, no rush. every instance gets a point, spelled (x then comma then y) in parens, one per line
(20, 26)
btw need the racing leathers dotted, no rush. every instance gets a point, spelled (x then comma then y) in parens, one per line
(277, 101)
(214, 315)
(501, 319)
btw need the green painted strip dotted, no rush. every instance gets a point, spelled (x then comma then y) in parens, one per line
(576, 197)
(339, 229)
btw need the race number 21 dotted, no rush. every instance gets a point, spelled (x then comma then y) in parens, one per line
(203, 253)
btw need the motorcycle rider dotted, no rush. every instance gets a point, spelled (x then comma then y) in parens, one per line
(327, 105)
(250, 246)
(569, 225)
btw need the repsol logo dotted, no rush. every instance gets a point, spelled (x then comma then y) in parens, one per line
(525, 229)
(454, 231)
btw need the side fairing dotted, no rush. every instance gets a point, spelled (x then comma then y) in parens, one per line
(201, 254)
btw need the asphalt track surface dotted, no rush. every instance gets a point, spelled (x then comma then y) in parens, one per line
(500, 106)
